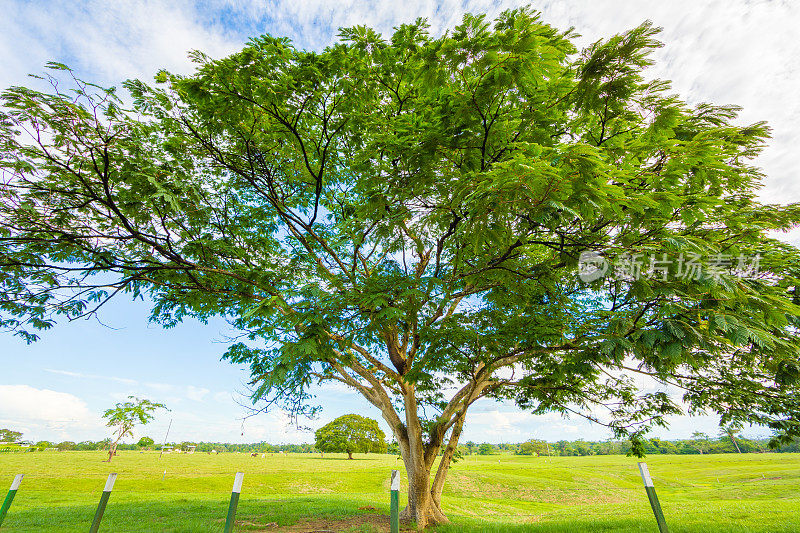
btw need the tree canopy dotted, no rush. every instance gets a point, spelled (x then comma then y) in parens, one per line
(428, 220)
(124, 416)
(534, 447)
(351, 434)
(9, 435)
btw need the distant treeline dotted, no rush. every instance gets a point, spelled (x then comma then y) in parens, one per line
(208, 447)
(724, 444)
(653, 446)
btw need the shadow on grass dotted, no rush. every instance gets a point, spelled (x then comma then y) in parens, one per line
(179, 514)
(189, 514)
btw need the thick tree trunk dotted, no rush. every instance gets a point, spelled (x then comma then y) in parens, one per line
(349, 455)
(425, 498)
(418, 449)
(424, 505)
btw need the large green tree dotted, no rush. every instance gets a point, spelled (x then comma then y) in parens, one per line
(406, 216)
(350, 434)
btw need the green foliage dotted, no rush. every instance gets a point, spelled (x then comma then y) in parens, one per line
(405, 215)
(135, 411)
(145, 442)
(486, 449)
(700, 441)
(351, 434)
(393, 448)
(533, 447)
(124, 416)
(9, 435)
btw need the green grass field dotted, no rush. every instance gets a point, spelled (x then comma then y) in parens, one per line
(718, 493)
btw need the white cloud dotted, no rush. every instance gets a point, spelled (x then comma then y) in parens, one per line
(223, 397)
(160, 387)
(47, 414)
(196, 393)
(91, 376)
(177, 393)
(275, 427)
(109, 40)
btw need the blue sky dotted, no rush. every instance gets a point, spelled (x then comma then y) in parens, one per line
(719, 51)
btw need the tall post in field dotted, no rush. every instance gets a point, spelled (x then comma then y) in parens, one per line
(101, 507)
(394, 503)
(165, 439)
(237, 488)
(651, 495)
(10, 497)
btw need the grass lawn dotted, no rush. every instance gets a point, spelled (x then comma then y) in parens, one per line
(500, 493)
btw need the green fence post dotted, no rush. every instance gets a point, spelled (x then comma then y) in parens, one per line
(394, 503)
(237, 488)
(651, 495)
(101, 507)
(10, 496)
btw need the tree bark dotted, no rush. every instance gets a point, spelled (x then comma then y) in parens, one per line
(418, 450)
(349, 455)
(112, 451)
(424, 504)
(424, 497)
(736, 444)
(112, 448)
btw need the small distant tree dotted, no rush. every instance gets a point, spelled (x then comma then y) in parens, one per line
(580, 447)
(700, 442)
(124, 416)
(485, 449)
(349, 434)
(145, 442)
(9, 435)
(665, 446)
(66, 445)
(730, 431)
(532, 447)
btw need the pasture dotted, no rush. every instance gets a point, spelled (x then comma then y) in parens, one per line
(497, 493)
